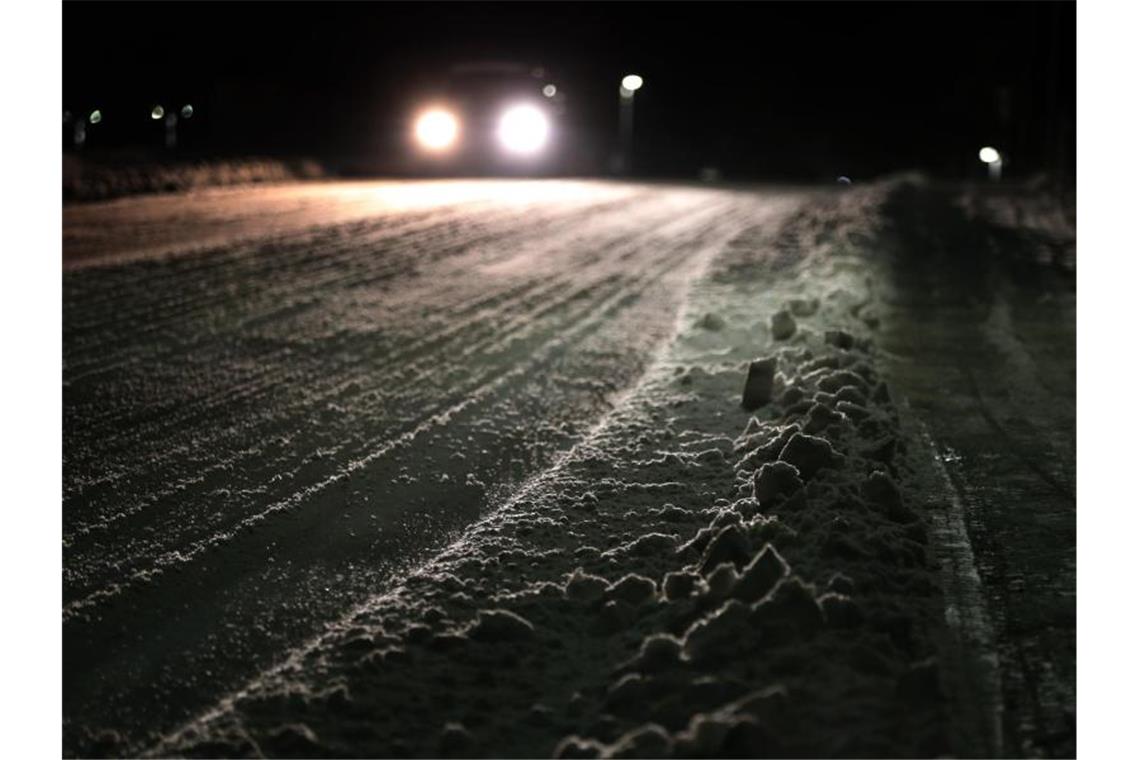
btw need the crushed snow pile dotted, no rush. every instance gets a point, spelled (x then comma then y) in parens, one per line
(732, 564)
(88, 180)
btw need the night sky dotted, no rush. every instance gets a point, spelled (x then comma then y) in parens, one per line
(760, 90)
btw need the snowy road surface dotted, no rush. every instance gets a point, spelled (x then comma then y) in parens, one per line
(275, 399)
(460, 468)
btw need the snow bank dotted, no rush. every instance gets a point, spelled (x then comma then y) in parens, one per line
(88, 180)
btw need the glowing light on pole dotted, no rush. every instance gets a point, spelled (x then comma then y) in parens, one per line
(630, 84)
(993, 160)
(79, 127)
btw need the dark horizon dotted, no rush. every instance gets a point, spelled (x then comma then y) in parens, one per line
(759, 90)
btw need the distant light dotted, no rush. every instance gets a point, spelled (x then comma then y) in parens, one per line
(632, 82)
(66, 116)
(437, 129)
(523, 129)
(187, 111)
(989, 155)
(157, 112)
(96, 116)
(843, 180)
(549, 91)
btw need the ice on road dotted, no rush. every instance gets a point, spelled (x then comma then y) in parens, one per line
(276, 399)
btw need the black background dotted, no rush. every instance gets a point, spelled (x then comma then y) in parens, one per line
(762, 90)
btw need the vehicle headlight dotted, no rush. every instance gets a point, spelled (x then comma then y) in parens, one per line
(437, 129)
(523, 129)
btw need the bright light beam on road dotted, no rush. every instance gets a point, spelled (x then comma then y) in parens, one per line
(523, 129)
(437, 129)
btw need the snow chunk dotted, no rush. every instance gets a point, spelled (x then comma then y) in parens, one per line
(628, 695)
(455, 740)
(680, 585)
(840, 610)
(646, 546)
(633, 589)
(789, 611)
(658, 650)
(771, 449)
(704, 736)
(722, 580)
(841, 584)
(761, 575)
(576, 747)
(500, 625)
(719, 635)
(791, 396)
(758, 386)
(584, 587)
(821, 417)
(809, 454)
(839, 339)
(293, 739)
(880, 490)
(782, 325)
(855, 412)
(650, 740)
(775, 479)
(711, 321)
(833, 381)
(730, 545)
(803, 307)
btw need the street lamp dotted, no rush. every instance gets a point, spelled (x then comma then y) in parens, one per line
(992, 159)
(630, 84)
(79, 125)
(170, 121)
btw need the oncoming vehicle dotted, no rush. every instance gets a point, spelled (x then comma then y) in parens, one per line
(490, 118)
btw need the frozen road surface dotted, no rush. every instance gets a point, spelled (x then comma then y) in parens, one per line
(277, 399)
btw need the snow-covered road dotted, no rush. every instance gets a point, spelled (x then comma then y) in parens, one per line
(275, 399)
(464, 468)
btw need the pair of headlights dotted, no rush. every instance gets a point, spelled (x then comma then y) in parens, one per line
(522, 129)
